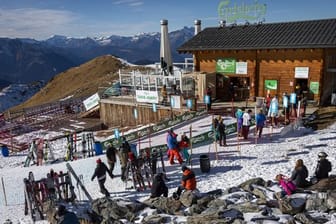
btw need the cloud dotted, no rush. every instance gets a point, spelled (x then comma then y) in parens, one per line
(31, 22)
(132, 3)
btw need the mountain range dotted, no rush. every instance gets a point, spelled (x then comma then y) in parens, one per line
(28, 60)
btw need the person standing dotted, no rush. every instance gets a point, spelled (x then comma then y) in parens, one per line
(100, 173)
(221, 132)
(173, 147)
(164, 95)
(239, 116)
(159, 186)
(184, 145)
(209, 94)
(323, 166)
(274, 110)
(260, 120)
(268, 102)
(299, 174)
(111, 156)
(246, 123)
(124, 149)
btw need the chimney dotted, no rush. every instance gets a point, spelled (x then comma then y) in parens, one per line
(165, 52)
(222, 23)
(197, 26)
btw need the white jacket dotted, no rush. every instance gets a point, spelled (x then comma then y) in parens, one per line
(246, 119)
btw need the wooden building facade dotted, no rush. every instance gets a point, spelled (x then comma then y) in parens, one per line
(274, 58)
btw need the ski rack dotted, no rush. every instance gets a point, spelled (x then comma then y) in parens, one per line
(36, 193)
(79, 182)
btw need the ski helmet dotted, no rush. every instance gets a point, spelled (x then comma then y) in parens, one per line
(322, 155)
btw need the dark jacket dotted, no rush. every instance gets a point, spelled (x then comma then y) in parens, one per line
(111, 154)
(125, 147)
(299, 176)
(159, 187)
(100, 172)
(221, 128)
(323, 168)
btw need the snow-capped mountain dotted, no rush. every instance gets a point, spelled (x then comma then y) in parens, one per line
(15, 94)
(27, 60)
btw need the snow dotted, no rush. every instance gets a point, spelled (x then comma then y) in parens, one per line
(274, 153)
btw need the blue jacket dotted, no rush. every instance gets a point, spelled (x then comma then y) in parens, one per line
(172, 140)
(260, 119)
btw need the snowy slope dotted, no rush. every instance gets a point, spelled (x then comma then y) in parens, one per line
(274, 153)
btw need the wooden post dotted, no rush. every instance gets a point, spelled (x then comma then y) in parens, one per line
(191, 146)
(256, 127)
(214, 132)
(4, 191)
(238, 142)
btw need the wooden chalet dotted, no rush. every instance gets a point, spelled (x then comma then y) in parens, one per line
(276, 58)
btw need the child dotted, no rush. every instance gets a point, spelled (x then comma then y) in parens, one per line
(184, 145)
(288, 187)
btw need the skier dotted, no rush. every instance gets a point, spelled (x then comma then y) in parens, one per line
(239, 116)
(124, 149)
(50, 184)
(209, 94)
(159, 186)
(173, 147)
(221, 132)
(246, 123)
(164, 95)
(274, 110)
(323, 166)
(100, 173)
(260, 120)
(111, 156)
(184, 145)
(188, 182)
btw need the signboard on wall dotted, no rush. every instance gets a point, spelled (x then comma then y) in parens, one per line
(91, 102)
(226, 65)
(301, 72)
(271, 84)
(144, 96)
(241, 67)
(314, 87)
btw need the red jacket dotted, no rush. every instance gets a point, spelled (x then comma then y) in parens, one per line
(189, 180)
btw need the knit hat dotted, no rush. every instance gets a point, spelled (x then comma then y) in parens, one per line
(184, 168)
(98, 161)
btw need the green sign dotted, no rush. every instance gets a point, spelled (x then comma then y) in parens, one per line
(314, 87)
(271, 84)
(243, 12)
(226, 65)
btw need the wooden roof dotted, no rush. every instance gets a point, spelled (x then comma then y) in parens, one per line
(301, 34)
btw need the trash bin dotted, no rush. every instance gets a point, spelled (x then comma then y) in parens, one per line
(98, 148)
(204, 164)
(4, 151)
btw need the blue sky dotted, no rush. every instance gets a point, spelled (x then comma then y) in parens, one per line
(40, 19)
